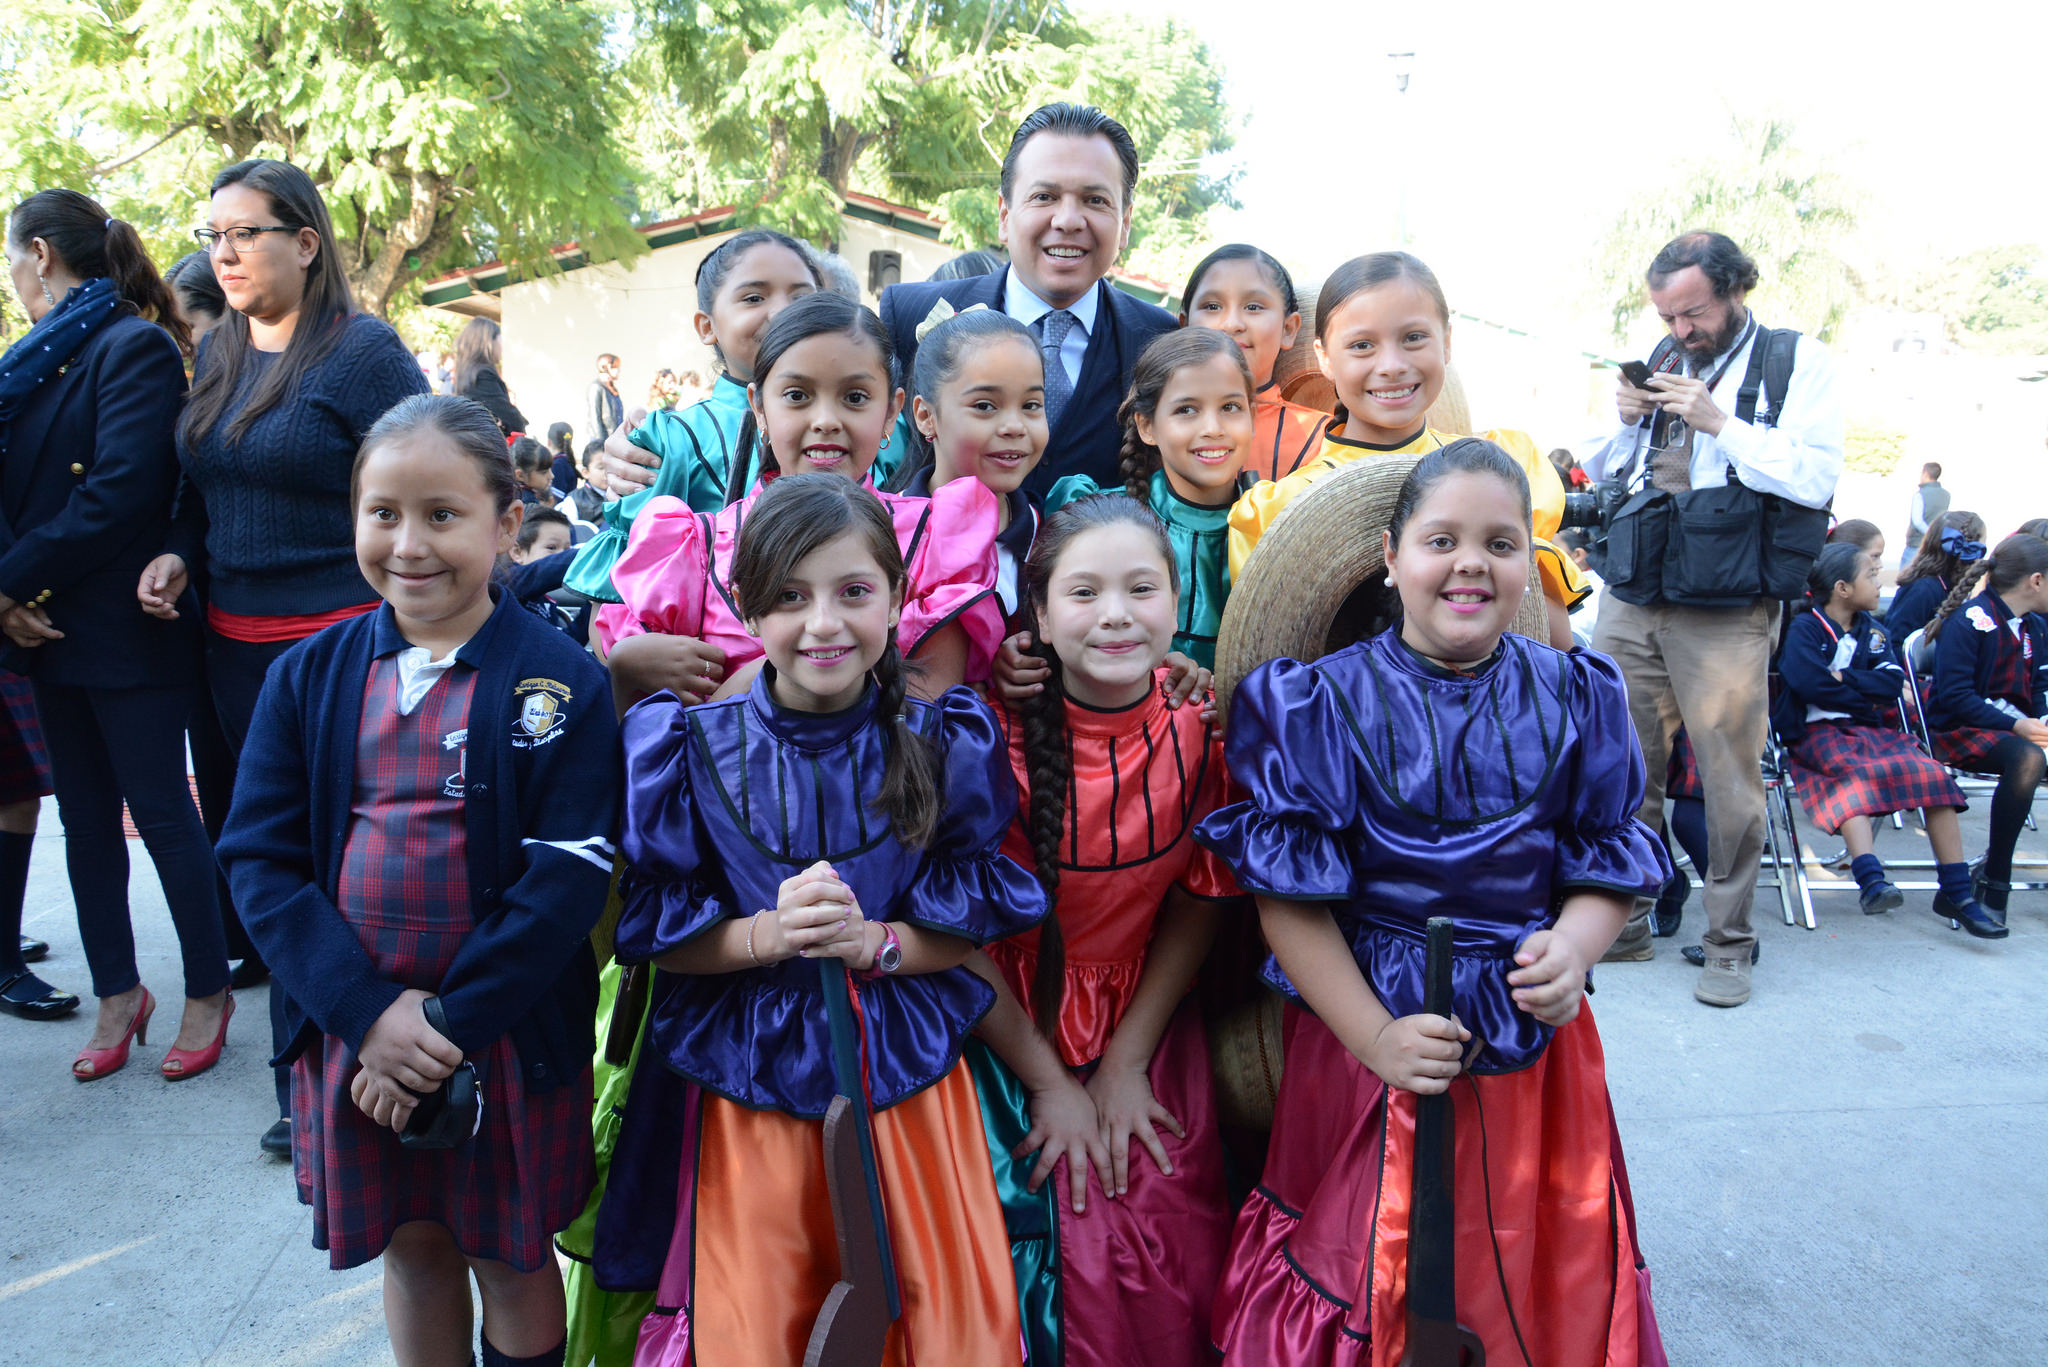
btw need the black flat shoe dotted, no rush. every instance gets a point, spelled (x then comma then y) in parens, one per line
(1971, 916)
(1697, 957)
(1882, 898)
(34, 951)
(32, 999)
(248, 973)
(1670, 907)
(277, 1140)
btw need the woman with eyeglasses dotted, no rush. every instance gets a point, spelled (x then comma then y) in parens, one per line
(284, 388)
(89, 403)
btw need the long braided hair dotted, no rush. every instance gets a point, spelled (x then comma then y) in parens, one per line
(1169, 353)
(1048, 760)
(794, 516)
(2018, 557)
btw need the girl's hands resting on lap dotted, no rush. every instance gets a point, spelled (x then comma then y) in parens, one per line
(1123, 1098)
(1418, 1053)
(1551, 981)
(2030, 729)
(1065, 1124)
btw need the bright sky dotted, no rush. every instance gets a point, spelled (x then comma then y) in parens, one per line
(1525, 127)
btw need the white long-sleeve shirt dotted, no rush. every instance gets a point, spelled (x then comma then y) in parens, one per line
(1799, 459)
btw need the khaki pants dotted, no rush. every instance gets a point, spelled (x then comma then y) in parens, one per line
(1707, 668)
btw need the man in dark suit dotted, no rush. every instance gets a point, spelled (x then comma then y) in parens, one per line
(1065, 215)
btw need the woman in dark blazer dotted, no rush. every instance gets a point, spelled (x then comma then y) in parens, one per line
(89, 404)
(479, 351)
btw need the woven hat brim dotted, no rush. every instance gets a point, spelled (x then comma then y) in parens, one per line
(1324, 544)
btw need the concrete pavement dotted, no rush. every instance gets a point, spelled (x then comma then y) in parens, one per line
(1848, 1170)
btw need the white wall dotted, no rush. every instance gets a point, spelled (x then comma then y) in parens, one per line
(555, 328)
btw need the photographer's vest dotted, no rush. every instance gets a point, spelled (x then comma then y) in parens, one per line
(1724, 547)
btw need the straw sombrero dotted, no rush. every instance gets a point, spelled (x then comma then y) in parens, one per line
(1324, 546)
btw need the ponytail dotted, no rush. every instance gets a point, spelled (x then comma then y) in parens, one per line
(1049, 764)
(1835, 564)
(743, 457)
(911, 795)
(93, 244)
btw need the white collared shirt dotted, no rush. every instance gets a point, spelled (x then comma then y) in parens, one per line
(418, 672)
(1027, 308)
(1799, 459)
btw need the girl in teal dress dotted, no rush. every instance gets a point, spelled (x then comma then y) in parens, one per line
(741, 286)
(1187, 431)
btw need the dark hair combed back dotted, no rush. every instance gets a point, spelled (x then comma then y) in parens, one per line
(1362, 273)
(477, 347)
(538, 518)
(2017, 558)
(1931, 558)
(530, 456)
(1074, 121)
(714, 269)
(198, 290)
(1047, 758)
(1283, 283)
(939, 358)
(326, 300)
(2035, 526)
(967, 265)
(466, 424)
(815, 315)
(1727, 267)
(793, 517)
(562, 439)
(93, 244)
(1857, 532)
(1465, 456)
(1836, 564)
(1167, 355)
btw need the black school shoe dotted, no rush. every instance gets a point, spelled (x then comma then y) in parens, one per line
(1971, 916)
(1883, 897)
(34, 951)
(32, 999)
(1697, 957)
(1670, 906)
(277, 1140)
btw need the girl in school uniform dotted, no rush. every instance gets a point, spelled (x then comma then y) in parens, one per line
(1187, 428)
(977, 397)
(1952, 545)
(823, 813)
(1104, 1062)
(1248, 296)
(1383, 334)
(1990, 694)
(1442, 768)
(1838, 713)
(827, 395)
(741, 287)
(419, 846)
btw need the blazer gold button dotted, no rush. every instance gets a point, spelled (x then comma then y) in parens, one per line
(76, 468)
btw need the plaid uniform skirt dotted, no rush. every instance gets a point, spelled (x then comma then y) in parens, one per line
(1682, 775)
(1848, 771)
(1968, 748)
(24, 763)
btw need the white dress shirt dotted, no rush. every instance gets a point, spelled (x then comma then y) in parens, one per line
(1027, 308)
(1799, 459)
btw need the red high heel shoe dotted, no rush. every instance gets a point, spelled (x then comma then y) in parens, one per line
(99, 1063)
(193, 1062)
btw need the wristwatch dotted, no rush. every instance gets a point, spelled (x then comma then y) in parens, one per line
(889, 957)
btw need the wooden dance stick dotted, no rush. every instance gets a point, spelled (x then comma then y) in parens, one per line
(1435, 1338)
(853, 1328)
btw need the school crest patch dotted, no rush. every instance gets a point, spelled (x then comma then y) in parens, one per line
(1980, 619)
(540, 716)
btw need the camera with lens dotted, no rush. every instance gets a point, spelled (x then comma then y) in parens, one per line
(1595, 508)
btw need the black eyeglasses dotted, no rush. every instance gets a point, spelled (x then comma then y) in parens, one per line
(241, 238)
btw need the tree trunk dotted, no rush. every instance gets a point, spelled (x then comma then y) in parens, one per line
(380, 266)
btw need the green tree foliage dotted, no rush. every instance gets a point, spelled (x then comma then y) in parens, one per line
(1786, 212)
(783, 106)
(1994, 299)
(1873, 448)
(440, 131)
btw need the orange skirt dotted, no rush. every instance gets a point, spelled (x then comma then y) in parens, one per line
(755, 1237)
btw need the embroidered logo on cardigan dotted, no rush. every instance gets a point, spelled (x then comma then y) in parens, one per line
(540, 714)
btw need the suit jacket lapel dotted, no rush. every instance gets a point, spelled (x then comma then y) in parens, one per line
(1101, 365)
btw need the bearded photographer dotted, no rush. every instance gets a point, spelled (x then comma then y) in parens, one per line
(1715, 492)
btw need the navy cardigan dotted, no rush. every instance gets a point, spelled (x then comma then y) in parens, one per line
(1973, 640)
(545, 782)
(1870, 679)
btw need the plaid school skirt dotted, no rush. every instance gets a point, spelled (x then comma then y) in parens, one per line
(1968, 748)
(24, 763)
(1682, 775)
(1848, 771)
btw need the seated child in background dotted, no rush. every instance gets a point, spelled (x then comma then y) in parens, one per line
(1577, 543)
(1851, 761)
(1953, 543)
(534, 465)
(538, 562)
